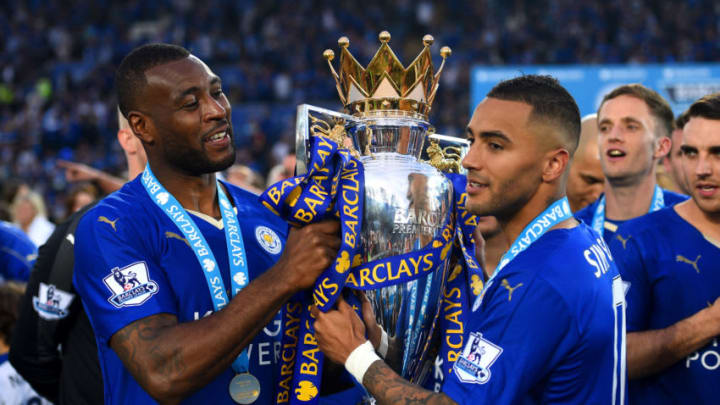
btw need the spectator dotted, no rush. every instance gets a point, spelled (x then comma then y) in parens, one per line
(17, 253)
(28, 211)
(53, 90)
(81, 195)
(13, 389)
(244, 177)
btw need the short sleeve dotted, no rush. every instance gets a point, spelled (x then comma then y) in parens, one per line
(116, 274)
(626, 251)
(524, 332)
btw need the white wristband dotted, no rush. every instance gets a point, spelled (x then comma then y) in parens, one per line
(383, 348)
(360, 360)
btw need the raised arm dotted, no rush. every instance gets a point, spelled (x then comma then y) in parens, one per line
(81, 172)
(651, 351)
(341, 333)
(170, 360)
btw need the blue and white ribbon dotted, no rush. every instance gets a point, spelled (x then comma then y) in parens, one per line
(554, 214)
(598, 220)
(233, 237)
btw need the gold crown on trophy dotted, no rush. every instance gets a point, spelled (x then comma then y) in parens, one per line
(386, 87)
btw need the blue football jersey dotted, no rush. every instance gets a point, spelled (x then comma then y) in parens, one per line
(126, 242)
(673, 272)
(17, 253)
(610, 226)
(549, 329)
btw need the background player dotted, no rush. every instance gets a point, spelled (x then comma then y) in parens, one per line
(545, 321)
(634, 125)
(585, 178)
(673, 161)
(671, 259)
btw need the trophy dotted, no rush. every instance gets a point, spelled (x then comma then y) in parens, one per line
(407, 200)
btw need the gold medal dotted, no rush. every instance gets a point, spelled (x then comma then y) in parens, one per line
(244, 388)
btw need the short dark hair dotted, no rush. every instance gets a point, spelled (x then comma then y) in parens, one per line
(130, 76)
(681, 120)
(706, 107)
(659, 108)
(549, 100)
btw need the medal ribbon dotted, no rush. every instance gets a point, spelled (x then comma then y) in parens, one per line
(598, 221)
(334, 188)
(554, 214)
(233, 239)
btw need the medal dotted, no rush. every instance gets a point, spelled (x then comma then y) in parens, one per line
(244, 388)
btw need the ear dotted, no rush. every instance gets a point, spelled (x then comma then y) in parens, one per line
(124, 137)
(662, 147)
(556, 161)
(141, 126)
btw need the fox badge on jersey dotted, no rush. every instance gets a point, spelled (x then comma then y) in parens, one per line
(131, 285)
(473, 365)
(268, 239)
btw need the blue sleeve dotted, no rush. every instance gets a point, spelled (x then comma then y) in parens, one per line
(533, 330)
(116, 273)
(627, 252)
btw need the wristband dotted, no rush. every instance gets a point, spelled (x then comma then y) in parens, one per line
(383, 348)
(360, 360)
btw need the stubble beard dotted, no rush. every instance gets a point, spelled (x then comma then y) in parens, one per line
(196, 162)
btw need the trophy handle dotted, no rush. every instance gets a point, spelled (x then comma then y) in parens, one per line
(445, 153)
(312, 121)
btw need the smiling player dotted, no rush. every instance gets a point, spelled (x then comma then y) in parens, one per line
(671, 260)
(182, 295)
(634, 125)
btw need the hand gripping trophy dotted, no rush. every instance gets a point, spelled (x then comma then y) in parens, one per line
(402, 218)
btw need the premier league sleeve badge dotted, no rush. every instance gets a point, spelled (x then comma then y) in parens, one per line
(473, 365)
(131, 285)
(52, 303)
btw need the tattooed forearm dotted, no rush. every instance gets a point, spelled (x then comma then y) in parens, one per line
(140, 348)
(389, 388)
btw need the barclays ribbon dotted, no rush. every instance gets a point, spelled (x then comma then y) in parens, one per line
(464, 281)
(334, 188)
(233, 238)
(554, 214)
(598, 220)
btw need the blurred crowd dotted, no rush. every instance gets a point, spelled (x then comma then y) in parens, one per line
(56, 77)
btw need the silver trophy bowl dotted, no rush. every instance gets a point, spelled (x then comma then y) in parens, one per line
(406, 203)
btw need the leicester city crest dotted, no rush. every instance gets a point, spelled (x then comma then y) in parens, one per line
(131, 285)
(473, 365)
(52, 303)
(268, 239)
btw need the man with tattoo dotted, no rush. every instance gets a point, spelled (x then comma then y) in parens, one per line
(549, 326)
(199, 323)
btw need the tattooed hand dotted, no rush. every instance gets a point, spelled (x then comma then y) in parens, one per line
(339, 331)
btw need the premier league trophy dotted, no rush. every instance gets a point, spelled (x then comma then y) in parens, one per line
(408, 203)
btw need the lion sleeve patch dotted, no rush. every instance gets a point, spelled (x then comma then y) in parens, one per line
(130, 285)
(473, 365)
(52, 303)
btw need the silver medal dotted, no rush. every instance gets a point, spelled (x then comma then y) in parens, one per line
(244, 388)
